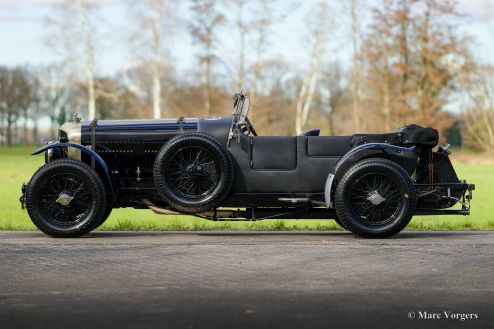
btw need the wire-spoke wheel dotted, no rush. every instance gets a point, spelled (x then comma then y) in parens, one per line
(193, 172)
(375, 198)
(66, 198)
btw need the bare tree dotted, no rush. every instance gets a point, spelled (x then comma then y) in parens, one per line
(29, 102)
(251, 25)
(435, 74)
(379, 51)
(14, 98)
(72, 37)
(478, 113)
(335, 96)
(242, 29)
(150, 42)
(204, 26)
(53, 94)
(265, 16)
(317, 39)
(7, 100)
(412, 56)
(357, 68)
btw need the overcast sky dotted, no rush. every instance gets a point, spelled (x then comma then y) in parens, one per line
(22, 33)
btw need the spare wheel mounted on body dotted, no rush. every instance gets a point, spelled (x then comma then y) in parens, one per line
(193, 172)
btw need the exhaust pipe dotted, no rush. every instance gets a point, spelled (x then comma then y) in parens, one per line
(210, 213)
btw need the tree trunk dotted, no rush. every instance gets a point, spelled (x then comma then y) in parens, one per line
(34, 140)
(25, 132)
(386, 108)
(9, 131)
(357, 69)
(156, 66)
(89, 64)
(91, 93)
(207, 91)
(300, 105)
(422, 90)
(156, 92)
(2, 131)
(309, 98)
(241, 30)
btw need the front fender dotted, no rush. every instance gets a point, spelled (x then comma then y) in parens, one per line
(84, 149)
(406, 157)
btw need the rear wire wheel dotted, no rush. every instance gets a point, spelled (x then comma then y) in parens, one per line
(375, 198)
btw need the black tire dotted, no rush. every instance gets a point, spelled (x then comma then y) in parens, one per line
(107, 213)
(74, 179)
(339, 222)
(193, 172)
(393, 203)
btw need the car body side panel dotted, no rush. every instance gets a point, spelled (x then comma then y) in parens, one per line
(328, 146)
(129, 147)
(308, 176)
(275, 153)
(219, 128)
(264, 164)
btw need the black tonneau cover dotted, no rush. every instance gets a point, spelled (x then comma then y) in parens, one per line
(405, 136)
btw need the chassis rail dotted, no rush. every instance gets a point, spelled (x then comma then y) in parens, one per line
(315, 211)
(443, 191)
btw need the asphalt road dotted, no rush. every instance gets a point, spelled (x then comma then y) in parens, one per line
(246, 280)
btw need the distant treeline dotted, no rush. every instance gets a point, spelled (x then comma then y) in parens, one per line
(409, 64)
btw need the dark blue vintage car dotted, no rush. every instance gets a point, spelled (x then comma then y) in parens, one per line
(220, 169)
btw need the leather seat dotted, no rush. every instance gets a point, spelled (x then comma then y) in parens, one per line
(312, 132)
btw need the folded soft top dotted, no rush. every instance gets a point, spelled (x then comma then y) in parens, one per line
(405, 136)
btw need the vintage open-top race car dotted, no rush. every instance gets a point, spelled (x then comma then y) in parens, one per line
(220, 169)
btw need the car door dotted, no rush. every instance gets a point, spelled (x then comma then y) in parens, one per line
(273, 152)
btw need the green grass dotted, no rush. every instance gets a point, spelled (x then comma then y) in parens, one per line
(17, 166)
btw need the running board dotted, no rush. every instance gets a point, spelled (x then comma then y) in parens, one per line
(251, 214)
(302, 201)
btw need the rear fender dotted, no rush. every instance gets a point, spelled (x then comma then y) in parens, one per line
(101, 163)
(406, 157)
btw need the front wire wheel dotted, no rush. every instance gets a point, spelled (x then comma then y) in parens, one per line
(66, 198)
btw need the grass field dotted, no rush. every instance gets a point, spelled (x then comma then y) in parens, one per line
(17, 166)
